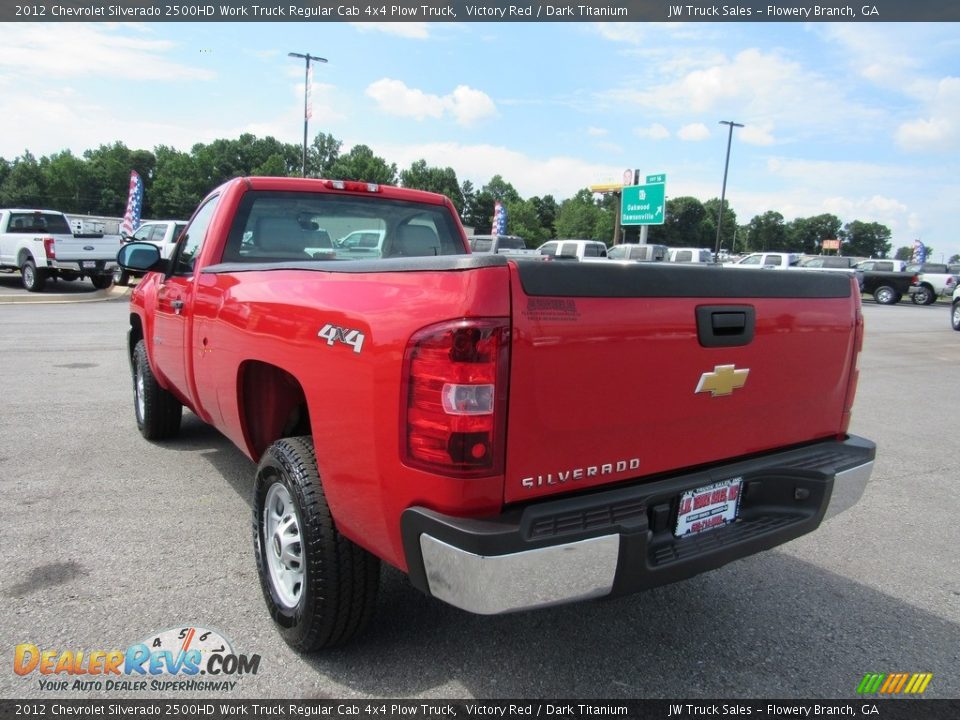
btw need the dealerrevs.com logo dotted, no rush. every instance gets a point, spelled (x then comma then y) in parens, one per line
(193, 659)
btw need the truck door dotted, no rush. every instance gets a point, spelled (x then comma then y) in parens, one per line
(174, 312)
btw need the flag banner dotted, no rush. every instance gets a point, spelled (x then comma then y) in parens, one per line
(308, 107)
(919, 252)
(499, 218)
(131, 218)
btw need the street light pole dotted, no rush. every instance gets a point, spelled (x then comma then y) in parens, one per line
(306, 91)
(723, 192)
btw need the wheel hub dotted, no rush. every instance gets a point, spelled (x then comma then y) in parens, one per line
(284, 561)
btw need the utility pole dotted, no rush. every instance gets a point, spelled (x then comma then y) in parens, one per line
(723, 192)
(306, 95)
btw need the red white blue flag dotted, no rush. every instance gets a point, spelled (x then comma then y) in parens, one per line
(919, 252)
(499, 218)
(131, 218)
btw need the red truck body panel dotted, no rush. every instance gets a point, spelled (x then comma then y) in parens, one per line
(593, 381)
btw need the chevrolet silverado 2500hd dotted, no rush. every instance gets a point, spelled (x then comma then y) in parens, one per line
(400, 412)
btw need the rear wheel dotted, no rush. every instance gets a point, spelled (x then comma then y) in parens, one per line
(320, 587)
(885, 295)
(158, 411)
(923, 296)
(955, 315)
(121, 276)
(102, 282)
(33, 280)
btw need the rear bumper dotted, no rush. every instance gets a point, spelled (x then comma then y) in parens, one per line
(98, 267)
(619, 541)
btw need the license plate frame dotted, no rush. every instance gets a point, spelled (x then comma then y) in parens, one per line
(709, 507)
(88, 264)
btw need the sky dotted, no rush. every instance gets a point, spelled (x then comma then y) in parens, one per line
(856, 119)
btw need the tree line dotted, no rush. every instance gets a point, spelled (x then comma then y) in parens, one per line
(175, 181)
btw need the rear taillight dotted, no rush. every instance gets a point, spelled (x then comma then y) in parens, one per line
(353, 186)
(455, 397)
(854, 373)
(49, 248)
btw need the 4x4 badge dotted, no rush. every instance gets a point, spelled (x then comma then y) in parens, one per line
(722, 381)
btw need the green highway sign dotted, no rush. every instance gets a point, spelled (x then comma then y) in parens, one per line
(643, 204)
(659, 178)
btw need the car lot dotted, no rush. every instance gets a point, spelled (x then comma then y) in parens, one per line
(108, 539)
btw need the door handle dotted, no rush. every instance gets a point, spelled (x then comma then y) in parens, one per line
(726, 325)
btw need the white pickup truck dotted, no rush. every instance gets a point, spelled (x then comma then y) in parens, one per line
(933, 281)
(162, 233)
(40, 244)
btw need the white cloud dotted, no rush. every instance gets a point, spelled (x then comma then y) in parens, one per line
(761, 134)
(656, 131)
(465, 104)
(412, 30)
(68, 50)
(619, 32)
(939, 131)
(560, 176)
(597, 132)
(694, 132)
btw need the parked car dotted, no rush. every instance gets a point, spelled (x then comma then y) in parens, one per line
(691, 255)
(640, 253)
(955, 310)
(775, 260)
(502, 244)
(573, 249)
(162, 233)
(934, 280)
(885, 280)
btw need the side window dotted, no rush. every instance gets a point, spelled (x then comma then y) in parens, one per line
(591, 250)
(568, 250)
(751, 260)
(192, 240)
(773, 261)
(143, 233)
(158, 232)
(683, 256)
(549, 249)
(815, 263)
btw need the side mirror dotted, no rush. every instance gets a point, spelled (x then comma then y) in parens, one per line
(139, 257)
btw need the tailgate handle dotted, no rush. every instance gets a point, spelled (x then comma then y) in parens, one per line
(725, 325)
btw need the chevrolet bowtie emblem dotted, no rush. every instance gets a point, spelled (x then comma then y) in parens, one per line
(722, 381)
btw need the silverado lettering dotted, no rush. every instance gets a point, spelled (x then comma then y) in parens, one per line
(436, 448)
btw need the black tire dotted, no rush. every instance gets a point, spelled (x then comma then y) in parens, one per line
(923, 296)
(955, 315)
(334, 583)
(33, 280)
(121, 277)
(69, 276)
(158, 411)
(885, 295)
(102, 282)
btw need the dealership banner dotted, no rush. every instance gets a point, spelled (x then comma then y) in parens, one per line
(491, 11)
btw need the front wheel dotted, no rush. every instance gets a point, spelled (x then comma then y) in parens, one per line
(955, 315)
(320, 587)
(157, 410)
(885, 295)
(33, 280)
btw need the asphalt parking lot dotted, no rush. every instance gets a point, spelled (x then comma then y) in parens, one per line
(108, 540)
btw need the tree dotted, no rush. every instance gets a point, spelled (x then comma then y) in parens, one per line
(682, 224)
(579, 217)
(361, 164)
(808, 234)
(866, 239)
(547, 210)
(728, 230)
(322, 153)
(67, 180)
(434, 179)
(178, 187)
(954, 259)
(109, 167)
(24, 184)
(522, 220)
(904, 253)
(767, 232)
(500, 189)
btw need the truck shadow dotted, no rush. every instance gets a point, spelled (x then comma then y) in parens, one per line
(769, 626)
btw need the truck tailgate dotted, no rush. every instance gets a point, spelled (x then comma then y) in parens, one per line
(77, 249)
(619, 372)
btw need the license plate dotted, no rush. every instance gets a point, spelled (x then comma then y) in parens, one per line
(89, 264)
(708, 507)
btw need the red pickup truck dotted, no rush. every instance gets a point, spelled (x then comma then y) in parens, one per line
(464, 417)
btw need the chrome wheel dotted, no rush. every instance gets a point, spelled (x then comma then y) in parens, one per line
(955, 317)
(139, 392)
(282, 545)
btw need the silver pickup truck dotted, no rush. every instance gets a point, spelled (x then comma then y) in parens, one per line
(41, 245)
